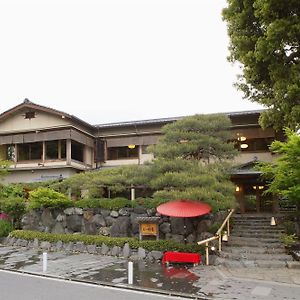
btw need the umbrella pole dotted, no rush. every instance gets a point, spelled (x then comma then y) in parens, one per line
(184, 227)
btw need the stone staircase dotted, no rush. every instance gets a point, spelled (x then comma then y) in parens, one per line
(255, 243)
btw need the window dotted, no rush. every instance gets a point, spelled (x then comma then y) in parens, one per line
(114, 153)
(29, 114)
(254, 145)
(63, 150)
(30, 151)
(51, 149)
(77, 151)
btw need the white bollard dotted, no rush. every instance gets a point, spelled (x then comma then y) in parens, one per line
(130, 272)
(45, 262)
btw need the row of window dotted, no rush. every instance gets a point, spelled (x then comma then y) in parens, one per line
(252, 145)
(54, 150)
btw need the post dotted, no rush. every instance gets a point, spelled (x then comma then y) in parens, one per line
(45, 262)
(130, 272)
(132, 193)
(206, 253)
(228, 228)
(220, 242)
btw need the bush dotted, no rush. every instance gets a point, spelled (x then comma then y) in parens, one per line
(15, 208)
(289, 239)
(161, 245)
(5, 228)
(105, 203)
(12, 190)
(149, 202)
(45, 197)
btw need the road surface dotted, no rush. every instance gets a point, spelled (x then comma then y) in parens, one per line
(15, 286)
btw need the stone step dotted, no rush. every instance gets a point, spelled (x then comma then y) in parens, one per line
(254, 242)
(238, 231)
(251, 263)
(252, 222)
(258, 250)
(259, 227)
(254, 234)
(256, 256)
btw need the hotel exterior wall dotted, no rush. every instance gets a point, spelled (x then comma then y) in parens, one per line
(243, 158)
(38, 175)
(17, 122)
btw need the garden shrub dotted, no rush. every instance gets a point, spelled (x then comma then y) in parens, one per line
(45, 197)
(105, 203)
(149, 202)
(160, 245)
(5, 228)
(15, 208)
(12, 190)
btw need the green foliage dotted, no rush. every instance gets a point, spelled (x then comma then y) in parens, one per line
(148, 202)
(214, 227)
(284, 174)
(4, 166)
(191, 161)
(199, 137)
(111, 204)
(289, 227)
(46, 197)
(118, 179)
(264, 38)
(5, 228)
(289, 239)
(15, 208)
(161, 245)
(12, 190)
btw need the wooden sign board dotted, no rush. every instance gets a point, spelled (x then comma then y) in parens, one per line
(148, 229)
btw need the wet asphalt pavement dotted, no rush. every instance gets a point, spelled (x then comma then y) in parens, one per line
(200, 282)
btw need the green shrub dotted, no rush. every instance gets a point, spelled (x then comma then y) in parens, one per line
(214, 227)
(149, 202)
(289, 227)
(5, 228)
(289, 239)
(15, 208)
(161, 245)
(45, 197)
(105, 203)
(12, 190)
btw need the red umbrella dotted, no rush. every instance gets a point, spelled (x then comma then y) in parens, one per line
(184, 209)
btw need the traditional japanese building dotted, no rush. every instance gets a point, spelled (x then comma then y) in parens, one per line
(44, 143)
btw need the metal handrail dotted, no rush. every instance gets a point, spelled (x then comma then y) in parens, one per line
(217, 236)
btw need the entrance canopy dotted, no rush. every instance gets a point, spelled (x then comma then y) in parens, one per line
(184, 209)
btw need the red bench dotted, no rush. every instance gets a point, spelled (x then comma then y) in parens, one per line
(181, 257)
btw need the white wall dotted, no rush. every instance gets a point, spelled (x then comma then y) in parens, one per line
(38, 175)
(17, 122)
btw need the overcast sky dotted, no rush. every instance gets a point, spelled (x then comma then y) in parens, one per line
(117, 60)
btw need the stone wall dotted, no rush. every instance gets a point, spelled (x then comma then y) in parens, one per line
(79, 247)
(121, 223)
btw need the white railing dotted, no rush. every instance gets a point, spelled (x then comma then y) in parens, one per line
(219, 235)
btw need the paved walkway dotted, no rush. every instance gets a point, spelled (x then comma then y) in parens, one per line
(201, 281)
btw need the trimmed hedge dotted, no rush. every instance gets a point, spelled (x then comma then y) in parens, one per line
(161, 245)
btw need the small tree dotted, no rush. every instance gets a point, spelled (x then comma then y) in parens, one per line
(191, 159)
(201, 137)
(284, 174)
(265, 40)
